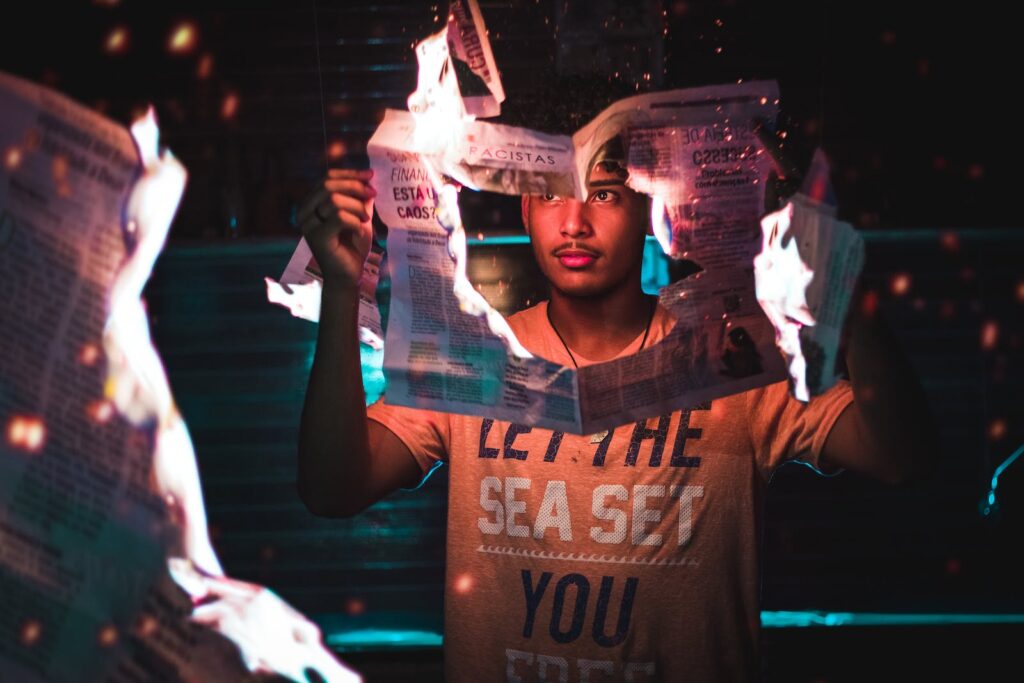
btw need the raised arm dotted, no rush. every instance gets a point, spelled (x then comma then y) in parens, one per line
(888, 433)
(346, 462)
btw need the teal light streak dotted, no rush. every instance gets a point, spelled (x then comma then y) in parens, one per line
(376, 638)
(818, 619)
(986, 509)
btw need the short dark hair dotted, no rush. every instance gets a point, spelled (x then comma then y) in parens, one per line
(562, 105)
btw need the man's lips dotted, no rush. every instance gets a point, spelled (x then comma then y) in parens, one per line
(575, 258)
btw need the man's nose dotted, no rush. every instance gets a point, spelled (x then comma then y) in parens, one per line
(576, 221)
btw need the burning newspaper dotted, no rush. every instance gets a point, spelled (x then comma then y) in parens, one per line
(104, 552)
(694, 151)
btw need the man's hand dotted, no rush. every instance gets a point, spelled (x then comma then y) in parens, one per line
(336, 222)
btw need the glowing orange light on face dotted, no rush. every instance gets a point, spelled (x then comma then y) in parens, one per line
(12, 158)
(117, 41)
(989, 335)
(900, 284)
(26, 432)
(229, 106)
(107, 636)
(997, 429)
(183, 38)
(31, 631)
(205, 68)
(336, 150)
(463, 583)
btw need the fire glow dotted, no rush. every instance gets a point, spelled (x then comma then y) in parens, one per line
(271, 636)
(441, 119)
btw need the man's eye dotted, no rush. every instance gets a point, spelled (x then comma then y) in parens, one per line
(604, 196)
(548, 197)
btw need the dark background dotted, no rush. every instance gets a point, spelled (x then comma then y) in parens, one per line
(915, 106)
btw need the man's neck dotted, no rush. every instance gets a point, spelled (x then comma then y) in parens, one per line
(599, 328)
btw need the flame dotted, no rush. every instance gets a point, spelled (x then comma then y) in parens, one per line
(137, 384)
(441, 120)
(781, 279)
(26, 432)
(271, 636)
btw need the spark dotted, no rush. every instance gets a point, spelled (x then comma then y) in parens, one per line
(205, 68)
(26, 432)
(997, 429)
(1020, 291)
(183, 38)
(989, 335)
(336, 150)
(12, 158)
(355, 606)
(463, 584)
(950, 241)
(107, 636)
(900, 284)
(100, 411)
(88, 354)
(31, 631)
(117, 41)
(229, 107)
(148, 625)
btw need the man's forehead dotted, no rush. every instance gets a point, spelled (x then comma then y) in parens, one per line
(606, 174)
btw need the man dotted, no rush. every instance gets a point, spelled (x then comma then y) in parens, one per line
(627, 555)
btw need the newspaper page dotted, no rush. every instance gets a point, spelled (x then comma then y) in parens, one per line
(694, 151)
(99, 489)
(722, 344)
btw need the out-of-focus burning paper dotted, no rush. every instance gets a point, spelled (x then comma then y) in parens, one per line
(694, 151)
(99, 490)
(805, 275)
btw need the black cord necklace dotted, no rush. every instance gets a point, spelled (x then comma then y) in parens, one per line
(551, 322)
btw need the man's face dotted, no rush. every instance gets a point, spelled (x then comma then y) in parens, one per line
(591, 248)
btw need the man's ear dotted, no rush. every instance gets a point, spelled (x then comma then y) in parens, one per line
(525, 208)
